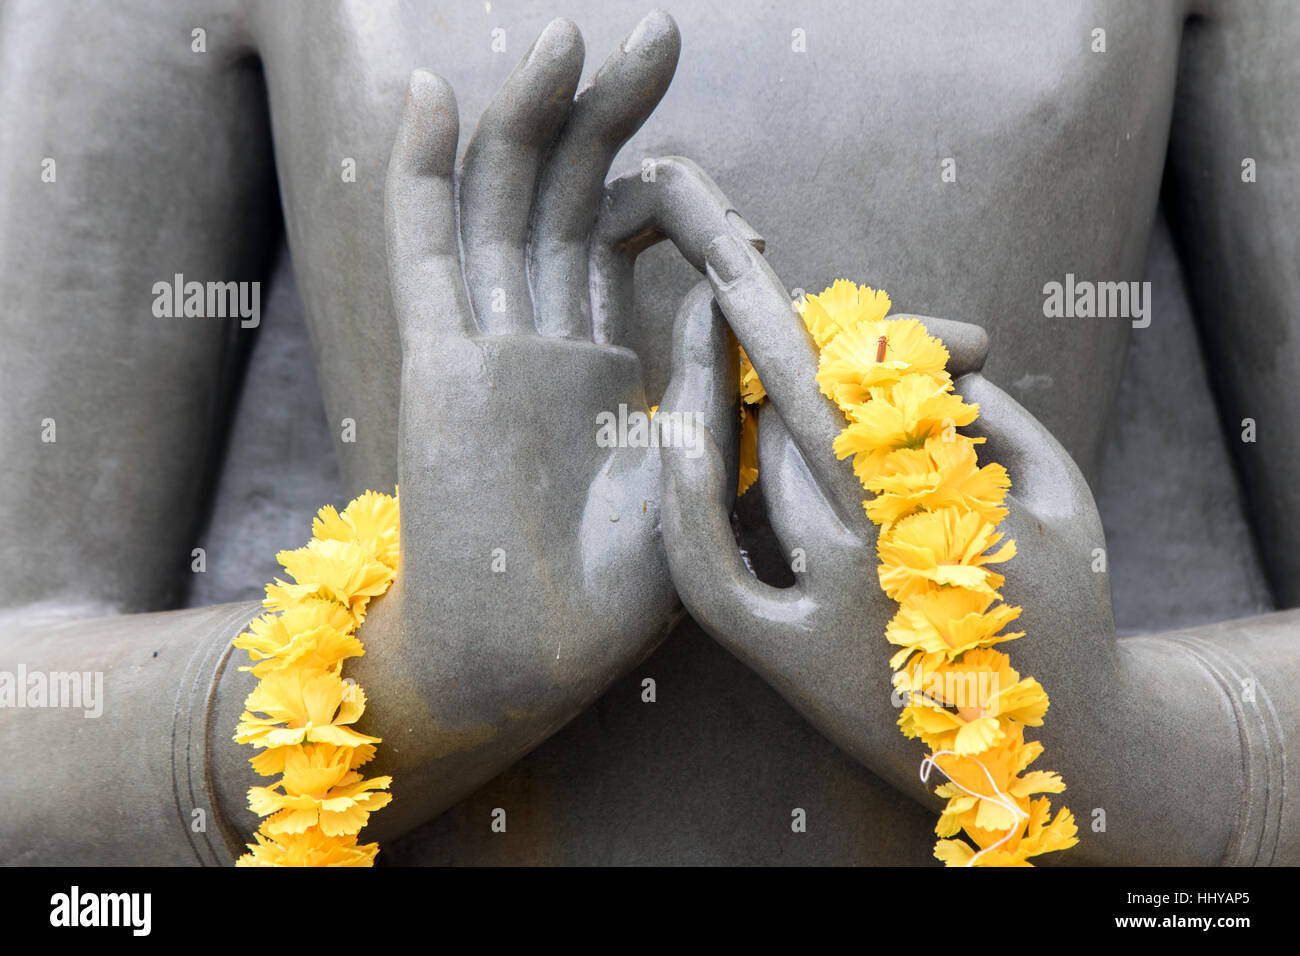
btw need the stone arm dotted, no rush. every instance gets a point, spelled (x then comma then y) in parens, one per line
(1232, 191)
(1181, 740)
(532, 573)
(133, 162)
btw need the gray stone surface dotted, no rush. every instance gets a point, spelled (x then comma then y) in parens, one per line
(1179, 545)
(279, 466)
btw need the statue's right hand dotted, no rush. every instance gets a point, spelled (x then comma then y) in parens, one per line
(532, 570)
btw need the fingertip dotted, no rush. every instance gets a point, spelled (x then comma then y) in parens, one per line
(740, 225)
(429, 125)
(559, 43)
(531, 106)
(561, 28)
(428, 92)
(422, 79)
(728, 259)
(699, 331)
(656, 36)
(635, 76)
(692, 306)
(974, 349)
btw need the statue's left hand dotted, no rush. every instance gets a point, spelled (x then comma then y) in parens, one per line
(820, 642)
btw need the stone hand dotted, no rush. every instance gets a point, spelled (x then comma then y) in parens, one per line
(532, 571)
(821, 643)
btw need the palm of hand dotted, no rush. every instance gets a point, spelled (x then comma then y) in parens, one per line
(529, 545)
(821, 642)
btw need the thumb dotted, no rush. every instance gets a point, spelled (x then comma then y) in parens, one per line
(702, 393)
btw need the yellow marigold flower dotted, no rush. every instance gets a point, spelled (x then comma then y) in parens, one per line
(304, 704)
(751, 389)
(748, 450)
(309, 848)
(843, 306)
(752, 392)
(902, 415)
(1037, 837)
(966, 706)
(319, 789)
(335, 570)
(315, 633)
(370, 520)
(941, 624)
(985, 817)
(932, 549)
(943, 473)
(303, 707)
(271, 761)
(849, 368)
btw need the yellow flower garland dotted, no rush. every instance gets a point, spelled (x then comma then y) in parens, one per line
(300, 714)
(937, 511)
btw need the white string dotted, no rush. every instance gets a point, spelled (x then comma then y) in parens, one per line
(1000, 798)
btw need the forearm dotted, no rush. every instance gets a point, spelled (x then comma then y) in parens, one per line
(1233, 200)
(144, 769)
(120, 776)
(1229, 733)
(1177, 754)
